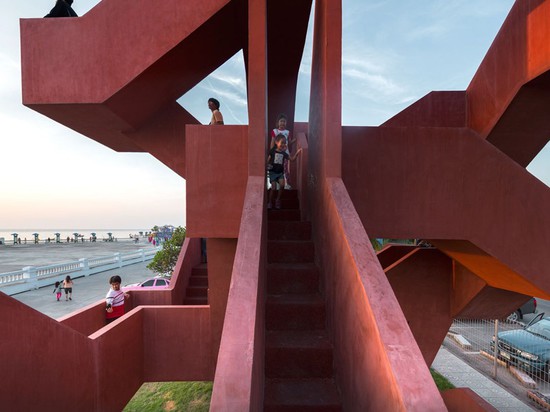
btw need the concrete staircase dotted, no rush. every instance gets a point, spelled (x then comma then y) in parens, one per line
(197, 290)
(299, 361)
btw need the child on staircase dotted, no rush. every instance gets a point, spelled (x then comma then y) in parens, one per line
(275, 168)
(282, 130)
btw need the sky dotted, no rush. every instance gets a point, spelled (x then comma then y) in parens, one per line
(394, 52)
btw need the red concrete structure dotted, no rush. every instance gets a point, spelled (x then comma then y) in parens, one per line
(449, 169)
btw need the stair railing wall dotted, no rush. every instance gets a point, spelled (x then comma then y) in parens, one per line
(239, 378)
(301, 174)
(378, 364)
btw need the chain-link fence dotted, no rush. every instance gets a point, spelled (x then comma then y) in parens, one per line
(520, 359)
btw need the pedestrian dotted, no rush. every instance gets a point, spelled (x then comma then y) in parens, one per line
(280, 129)
(115, 300)
(57, 290)
(62, 8)
(275, 167)
(68, 286)
(217, 117)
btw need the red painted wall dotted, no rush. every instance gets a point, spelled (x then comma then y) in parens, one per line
(239, 379)
(43, 358)
(439, 184)
(507, 95)
(217, 170)
(422, 282)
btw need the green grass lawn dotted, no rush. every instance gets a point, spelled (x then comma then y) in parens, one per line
(195, 396)
(171, 396)
(441, 382)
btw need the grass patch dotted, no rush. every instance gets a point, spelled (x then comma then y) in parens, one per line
(171, 397)
(441, 382)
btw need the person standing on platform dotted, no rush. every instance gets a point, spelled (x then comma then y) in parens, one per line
(68, 286)
(115, 300)
(62, 8)
(214, 106)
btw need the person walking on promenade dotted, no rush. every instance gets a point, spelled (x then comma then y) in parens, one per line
(62, 8)
(275, 161)
(57, 290)
(68, 286)
(115, 300)
(217, 117)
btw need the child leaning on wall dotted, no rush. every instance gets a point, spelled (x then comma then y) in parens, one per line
(114, 300)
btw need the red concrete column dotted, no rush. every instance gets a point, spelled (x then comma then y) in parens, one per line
(421, 282)
(287, 22)
(221, 254)
(257, 86)
(325, 110)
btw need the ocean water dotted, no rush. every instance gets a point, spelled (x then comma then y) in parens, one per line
(120, 234)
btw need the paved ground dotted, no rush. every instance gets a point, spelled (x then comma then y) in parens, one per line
(463, 375)
(86, 290)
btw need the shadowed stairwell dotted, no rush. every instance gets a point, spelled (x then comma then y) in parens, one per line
(197, 290)
(299, 359)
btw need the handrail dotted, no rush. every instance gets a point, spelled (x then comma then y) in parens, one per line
(34, 277)
(239, 379)
(301, 174)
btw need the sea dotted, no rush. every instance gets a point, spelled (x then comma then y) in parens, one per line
(44, 234)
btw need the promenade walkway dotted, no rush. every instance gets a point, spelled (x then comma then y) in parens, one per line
(86, 290)
(15, 257)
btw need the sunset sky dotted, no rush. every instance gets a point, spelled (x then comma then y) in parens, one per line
(394, 52)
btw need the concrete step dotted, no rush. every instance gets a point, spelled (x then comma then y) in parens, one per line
(287, 194)
(200, 270)
(290, 251)
(287, 203)
(288, 230)
(283, 214)
(295, 312)
(195, 300)
(198, 281)
(301, 395)
(197, 291)
(298, 354)
(293, 278)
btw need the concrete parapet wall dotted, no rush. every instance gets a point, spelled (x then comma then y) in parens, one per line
(216, 174)
(239, 380)
(378, 363)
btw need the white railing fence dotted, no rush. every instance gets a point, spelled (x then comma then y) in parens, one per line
(34, 277)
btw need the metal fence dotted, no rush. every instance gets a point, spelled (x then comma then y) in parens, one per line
(514, 353)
